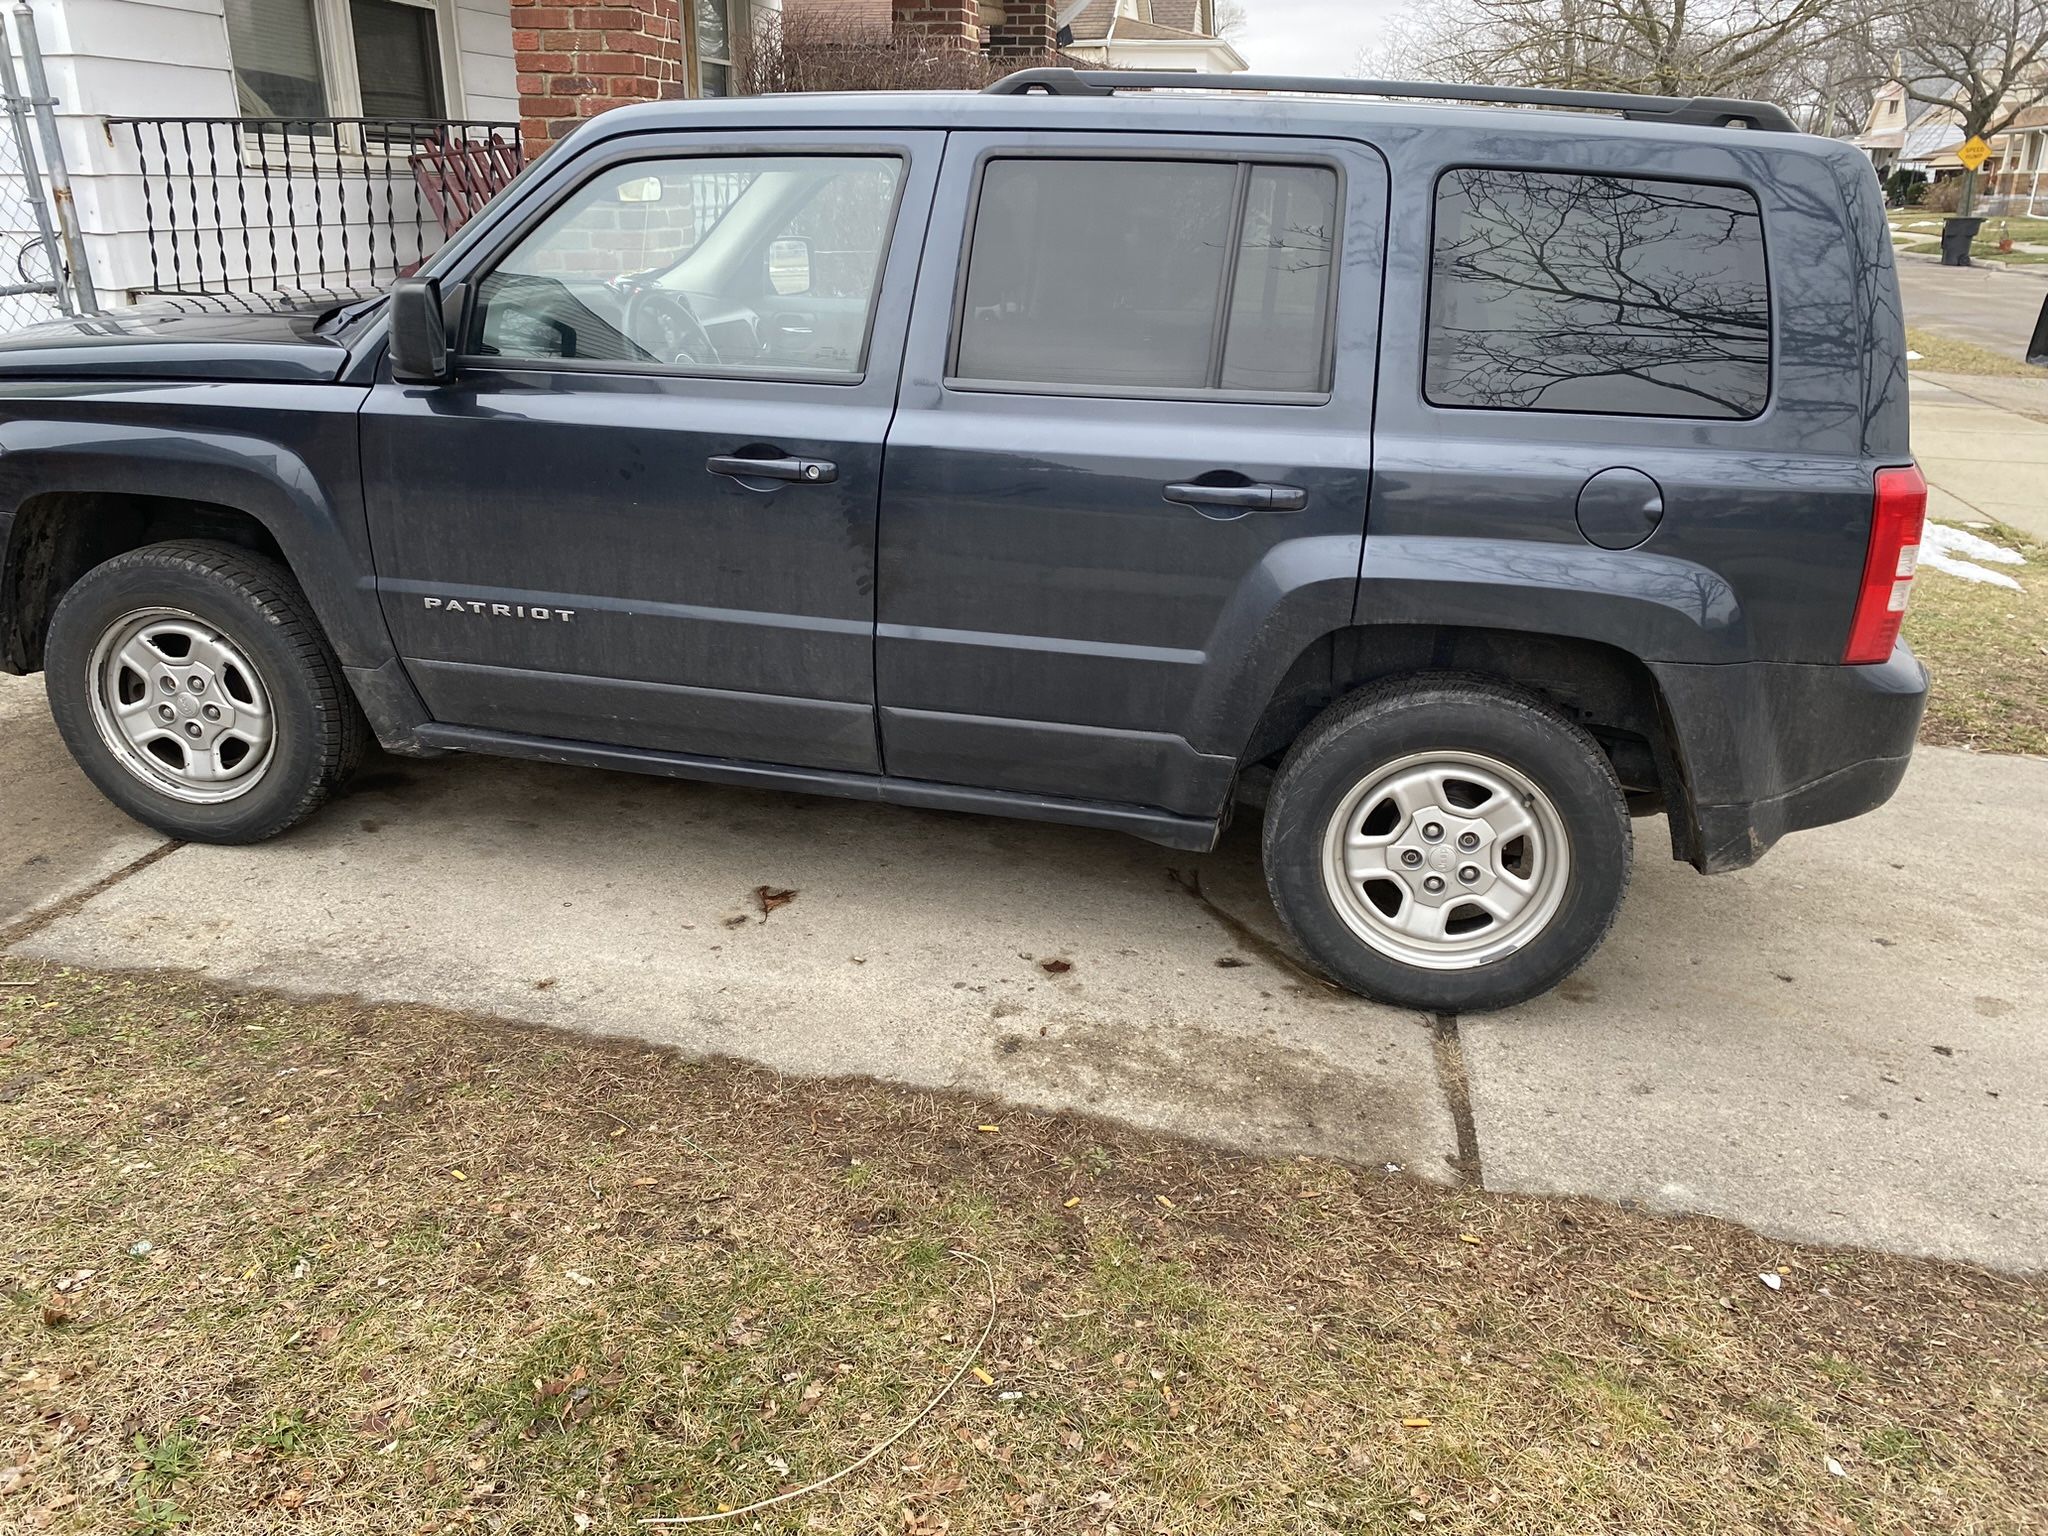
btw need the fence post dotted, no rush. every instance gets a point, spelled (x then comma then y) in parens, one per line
(53, 159)
(10, 88)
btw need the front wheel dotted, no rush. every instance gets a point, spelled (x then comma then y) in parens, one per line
(1447, 843)
(194, 686)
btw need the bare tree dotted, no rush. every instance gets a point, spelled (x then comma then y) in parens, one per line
(1660, 47)
(1230, 19)
(1984, 59)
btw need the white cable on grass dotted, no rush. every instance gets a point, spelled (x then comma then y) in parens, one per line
(903, 1429)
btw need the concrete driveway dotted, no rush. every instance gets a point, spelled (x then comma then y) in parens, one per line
(1844, 1044)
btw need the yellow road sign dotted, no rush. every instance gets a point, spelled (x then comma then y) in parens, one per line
(1974, 153)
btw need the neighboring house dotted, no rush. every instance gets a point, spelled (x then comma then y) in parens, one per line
(1153, 34)
(219, 146)
(1921, 137)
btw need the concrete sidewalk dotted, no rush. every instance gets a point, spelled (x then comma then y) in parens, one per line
(1845, 1043)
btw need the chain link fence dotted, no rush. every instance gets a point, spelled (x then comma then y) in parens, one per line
(36, 217)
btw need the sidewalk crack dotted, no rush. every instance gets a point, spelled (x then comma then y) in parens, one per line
(28, 927)
(1456, 1083)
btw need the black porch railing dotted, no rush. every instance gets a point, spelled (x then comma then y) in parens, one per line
(265, 204)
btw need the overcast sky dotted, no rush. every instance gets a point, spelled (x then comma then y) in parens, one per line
(1310, 37)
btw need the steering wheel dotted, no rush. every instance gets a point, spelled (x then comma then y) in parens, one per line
(662, 322)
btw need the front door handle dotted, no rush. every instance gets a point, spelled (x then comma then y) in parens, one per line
(1242, 498)
(805, 471)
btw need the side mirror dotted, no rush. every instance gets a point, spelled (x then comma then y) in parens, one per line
(789, 265)
(420, 353)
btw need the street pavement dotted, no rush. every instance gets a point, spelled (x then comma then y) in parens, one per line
(1843, 1044)
(1991, 308)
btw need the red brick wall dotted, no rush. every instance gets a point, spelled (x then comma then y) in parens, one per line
(574, 61)
(944, 24)
(1025, 33)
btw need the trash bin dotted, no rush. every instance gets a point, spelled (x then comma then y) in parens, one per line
(1956, 235)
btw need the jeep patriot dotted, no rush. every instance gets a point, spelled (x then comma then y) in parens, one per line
(1455, 480)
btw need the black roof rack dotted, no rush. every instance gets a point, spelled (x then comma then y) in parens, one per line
(1693, 111)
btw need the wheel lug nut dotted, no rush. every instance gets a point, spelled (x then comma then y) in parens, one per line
(168, 684)
(165, 712)
(1433, 830)
(1469, 873)
(211, 711)
(196, 684)
(1433, 884)
(1468, 840)
(1411, 857)
(192, 728)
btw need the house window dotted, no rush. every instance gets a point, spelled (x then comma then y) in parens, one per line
(351, 58)
(398, 58)
(714, 47)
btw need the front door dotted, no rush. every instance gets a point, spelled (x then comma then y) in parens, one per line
(1130, 470)
(644, 512)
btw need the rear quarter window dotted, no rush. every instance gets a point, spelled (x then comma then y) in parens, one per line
(1602, 294)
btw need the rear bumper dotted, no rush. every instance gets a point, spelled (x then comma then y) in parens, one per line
(1767, 748)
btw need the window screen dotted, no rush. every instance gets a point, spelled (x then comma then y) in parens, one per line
(398, 58)
(1117, 274)
(276, 51)
(1558, 292)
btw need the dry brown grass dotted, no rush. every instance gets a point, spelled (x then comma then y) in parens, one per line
(1986, 650)
(411, 1272)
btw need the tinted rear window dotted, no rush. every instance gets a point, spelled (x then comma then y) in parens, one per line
(1611, 294)
(1176, 275)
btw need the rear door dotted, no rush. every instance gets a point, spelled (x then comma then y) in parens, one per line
(1131, 456)
(643, 514)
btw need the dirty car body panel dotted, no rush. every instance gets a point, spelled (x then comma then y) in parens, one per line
(992, 604)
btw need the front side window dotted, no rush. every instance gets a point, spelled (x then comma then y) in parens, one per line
(710, 265)
(1611, 294)
(1174, 275)
(284, 52)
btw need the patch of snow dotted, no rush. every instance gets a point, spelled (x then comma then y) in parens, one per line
(1954, 551)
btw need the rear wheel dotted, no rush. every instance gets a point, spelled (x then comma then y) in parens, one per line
(1447, 843)
(193, 684)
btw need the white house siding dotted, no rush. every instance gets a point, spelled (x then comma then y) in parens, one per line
(490, 83)
(169, 58)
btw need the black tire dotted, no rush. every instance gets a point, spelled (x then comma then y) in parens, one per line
(319, 734)
(1381, 725)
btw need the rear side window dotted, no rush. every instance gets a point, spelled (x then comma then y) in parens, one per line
(1610, 294)
(1136, 275)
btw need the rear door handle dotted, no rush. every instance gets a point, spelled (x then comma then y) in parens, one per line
(805, 471)
(1243, 498)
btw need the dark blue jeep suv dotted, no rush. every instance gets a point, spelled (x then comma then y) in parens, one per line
(1454, 480)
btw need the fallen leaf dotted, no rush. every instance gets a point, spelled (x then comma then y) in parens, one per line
(1165, 1202)
(770, 897)
(1467, 1237)
(1773, 1279)
(458, 1175)
(1072, 1201)
(1055, 967)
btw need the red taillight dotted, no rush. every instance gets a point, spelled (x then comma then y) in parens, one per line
(1896, 513)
